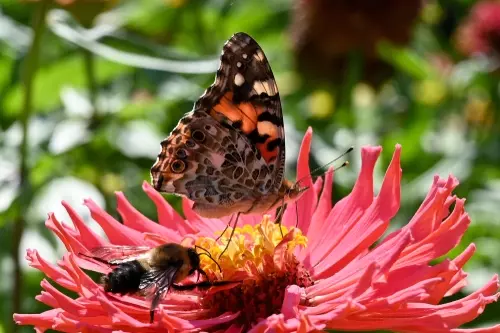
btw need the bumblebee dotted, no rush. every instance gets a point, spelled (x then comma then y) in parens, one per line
(152, 272)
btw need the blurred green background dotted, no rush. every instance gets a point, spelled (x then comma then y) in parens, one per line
(89, 88)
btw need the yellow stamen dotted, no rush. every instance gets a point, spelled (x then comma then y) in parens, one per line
(251, 252)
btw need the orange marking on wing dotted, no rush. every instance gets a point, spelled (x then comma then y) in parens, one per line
(250, 117)
(266, 154)
(244, 112)
(271, 130)
(226, 108)
(248, 113)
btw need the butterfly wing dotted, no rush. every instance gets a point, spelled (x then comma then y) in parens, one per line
(213, 165)
(230, 150)
(245, 96)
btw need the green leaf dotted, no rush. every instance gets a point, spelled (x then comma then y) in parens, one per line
(405, 60)
(52, 78)
(6, 64)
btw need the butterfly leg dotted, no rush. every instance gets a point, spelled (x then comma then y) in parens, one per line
(296, 215)
(231, 236)
(224, 231)
(279, 215)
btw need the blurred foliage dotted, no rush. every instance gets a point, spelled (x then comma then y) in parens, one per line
(103, 99)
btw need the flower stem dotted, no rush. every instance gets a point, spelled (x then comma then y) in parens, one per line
(352, 75)
(57, 23)
(28, 74)
(89, 63)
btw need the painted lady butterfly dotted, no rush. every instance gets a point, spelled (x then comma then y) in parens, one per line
(228, 154)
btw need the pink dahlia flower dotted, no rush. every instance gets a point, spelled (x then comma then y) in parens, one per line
(480, 32)
(324, 274)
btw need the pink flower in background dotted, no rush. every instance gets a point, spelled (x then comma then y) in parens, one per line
(324, 275)
(480, 33)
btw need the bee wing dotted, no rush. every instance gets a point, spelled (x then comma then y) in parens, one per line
(157, 283)
(118, 254)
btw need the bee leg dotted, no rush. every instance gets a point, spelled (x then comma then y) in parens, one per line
(231, 236)
(151, 316)
(202, 285)
(202, 272)
(191, 286)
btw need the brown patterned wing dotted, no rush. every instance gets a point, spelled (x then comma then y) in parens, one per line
(212, 164)
(245, 97)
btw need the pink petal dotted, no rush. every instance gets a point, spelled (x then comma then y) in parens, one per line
(206, 226)
(335, 225)
(117, 233)
(459, 280)
(324, 204)
(167, 216)
(441, 240)
(54, 298)
(291, 301)
(88, 238)
(372, 223)
(280, 252)
(65, 234)
(135, 220)
(307, 202)
(41, 321)
(54, 273)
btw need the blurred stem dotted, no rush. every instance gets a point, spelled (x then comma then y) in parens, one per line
(57, 22)
(352, 75)
(91, 79)
(29, 69)
(200, 28)
(495, 99)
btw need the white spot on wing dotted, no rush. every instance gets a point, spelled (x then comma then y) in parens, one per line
(244, 56)
(259, 56)
(238, 64)
(268, 87)
(211, 130)
(217, 160)
(239, 79)
(267, 127)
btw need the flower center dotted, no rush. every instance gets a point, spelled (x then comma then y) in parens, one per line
(263, 260)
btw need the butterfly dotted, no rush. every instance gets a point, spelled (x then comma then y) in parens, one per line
(228, 154)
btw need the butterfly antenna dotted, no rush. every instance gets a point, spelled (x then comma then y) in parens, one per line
(208, 255)
(346, 163)
(327, 164)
